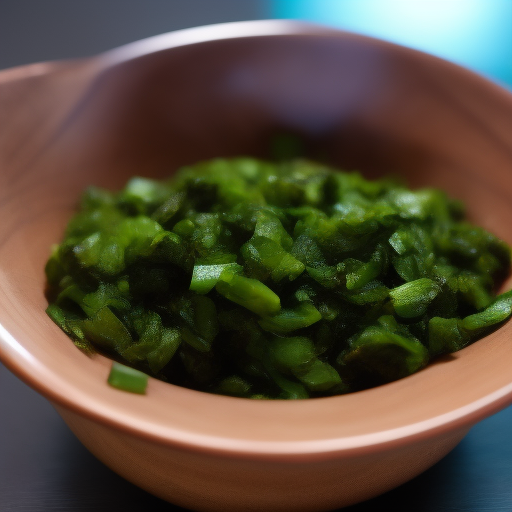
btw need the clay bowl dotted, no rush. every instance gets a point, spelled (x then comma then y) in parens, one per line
(152, 106)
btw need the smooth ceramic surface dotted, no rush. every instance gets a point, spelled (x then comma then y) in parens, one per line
(155, 105)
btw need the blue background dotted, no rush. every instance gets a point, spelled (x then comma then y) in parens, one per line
(474, 33)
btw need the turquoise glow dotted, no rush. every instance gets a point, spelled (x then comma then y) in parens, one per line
(474, 33)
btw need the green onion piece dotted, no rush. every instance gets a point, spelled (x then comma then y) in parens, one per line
(287, 320)
(249, 293)
(127, 379)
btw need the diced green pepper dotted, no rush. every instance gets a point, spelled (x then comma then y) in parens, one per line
(205, 277)
(497, 312)
(106, 330)
(274, 280)
(446, 335)
(288, 320)
(319, 376)
(413, 298)
(249, 293)
(386, 354)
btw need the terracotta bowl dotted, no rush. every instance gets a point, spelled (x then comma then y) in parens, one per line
(152, 106)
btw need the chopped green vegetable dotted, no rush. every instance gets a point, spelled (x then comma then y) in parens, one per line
(249, 293)
(413, 298)
(128, 379)
(205, 277)
(273, 280)
(288, 320)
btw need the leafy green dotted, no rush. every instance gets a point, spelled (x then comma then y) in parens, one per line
(274, 280)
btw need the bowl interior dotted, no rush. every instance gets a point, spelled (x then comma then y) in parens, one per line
(359, 103)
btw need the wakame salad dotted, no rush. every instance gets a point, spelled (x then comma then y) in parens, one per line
(275, 280)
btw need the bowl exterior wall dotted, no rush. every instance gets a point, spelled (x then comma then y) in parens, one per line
(209, 482)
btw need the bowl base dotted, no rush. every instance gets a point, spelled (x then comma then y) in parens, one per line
(220, 483)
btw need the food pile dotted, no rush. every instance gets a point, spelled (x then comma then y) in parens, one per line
(275, 280)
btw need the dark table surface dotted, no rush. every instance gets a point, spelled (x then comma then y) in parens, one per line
(44, 468)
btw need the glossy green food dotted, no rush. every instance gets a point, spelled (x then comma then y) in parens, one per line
(127, 379)
(275, 280)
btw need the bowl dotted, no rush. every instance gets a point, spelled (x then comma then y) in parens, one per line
(152, 106)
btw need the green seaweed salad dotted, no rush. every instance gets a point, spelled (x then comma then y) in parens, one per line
(275, 280)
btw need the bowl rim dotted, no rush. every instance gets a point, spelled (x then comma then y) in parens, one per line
(53, 387)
